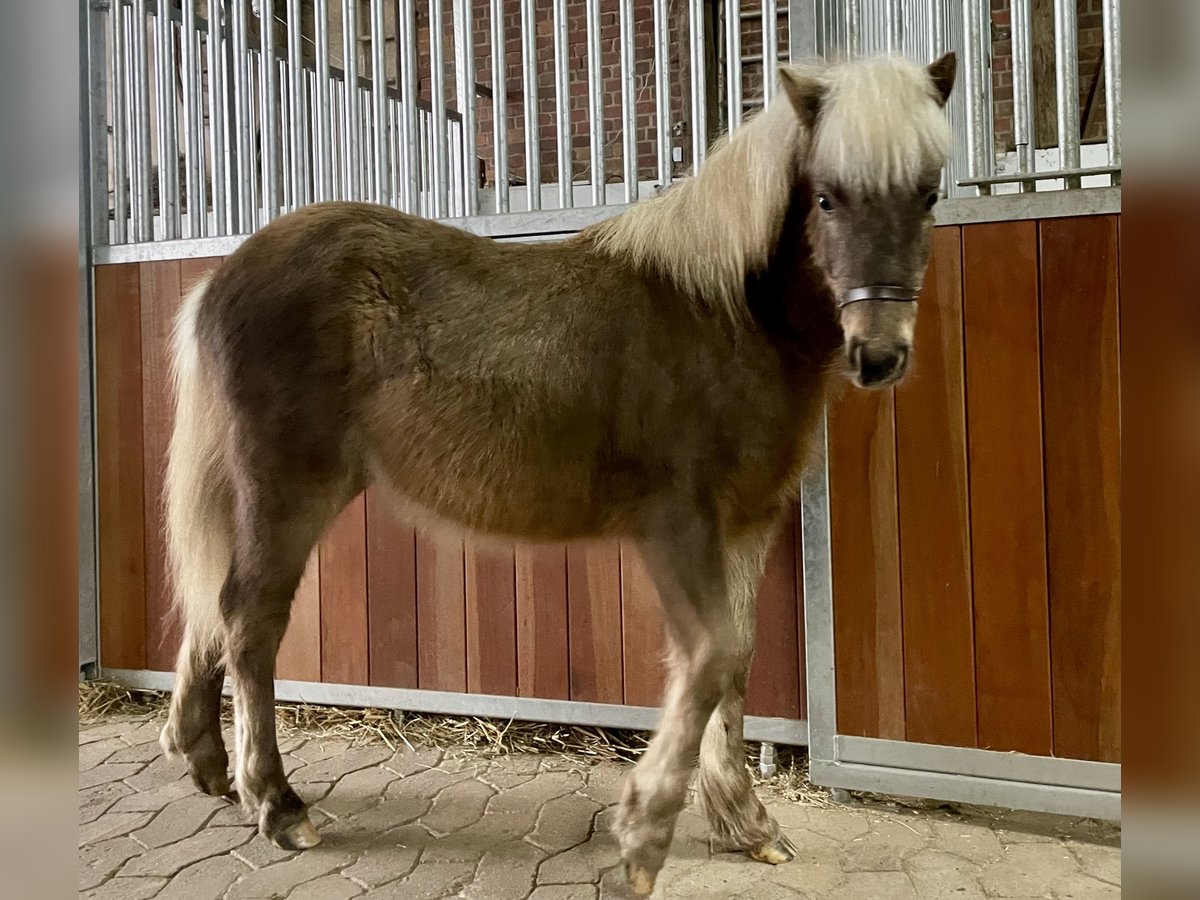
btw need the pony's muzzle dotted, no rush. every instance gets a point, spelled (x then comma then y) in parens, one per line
(875, 364)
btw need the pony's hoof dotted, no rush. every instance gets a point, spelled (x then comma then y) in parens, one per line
(641, 880)
(215, 784)
(775, 853)
(300, 836)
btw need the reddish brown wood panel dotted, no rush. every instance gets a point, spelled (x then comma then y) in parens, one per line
(774, 688)
(594, 615)
(299, 657)
(866, 568)
(643, 641)
(441, 613)
(160, 295)
(344, 642)
(935, 539)
(491, 589)
(543, 669)
(119, 465)
(1081, 385)
(1008, 534)
(391, 595)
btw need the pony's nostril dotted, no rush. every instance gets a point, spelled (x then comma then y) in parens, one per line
(854, 353)
(879, 366)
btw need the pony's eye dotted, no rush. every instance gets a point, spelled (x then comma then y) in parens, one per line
(825, 202)
(931, 200)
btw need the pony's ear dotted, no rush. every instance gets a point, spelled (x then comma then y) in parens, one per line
(942, 72)
(806, 95)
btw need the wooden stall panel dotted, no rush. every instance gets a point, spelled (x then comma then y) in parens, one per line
(119, 467)
(868, 637)
(931, 483)
(542, 653)
(1008, 535)
(774, 688)
(299, 657)
(391, 595)
(441, 613)
(594, 619)
(643, 640)
(344, 640)
(491, 588)
(1081, 385)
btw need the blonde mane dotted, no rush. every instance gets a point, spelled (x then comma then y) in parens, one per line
(880, 127)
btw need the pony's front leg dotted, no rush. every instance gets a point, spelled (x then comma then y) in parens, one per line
(734, 812)
(688, 570)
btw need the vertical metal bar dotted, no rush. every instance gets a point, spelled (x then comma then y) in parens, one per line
(894, 24)
(352, 188)
(937, 34)
(189, 70)
(974, 91)
(268, 84)
(854, 35)
(696, 47)
(168, 144)
(120, 83)
(1022, 79)
(499, 106)
(241, 171)
(628, 113)
(140, 162)
(529, 78)
(323, 120)
(216, 115)
(770, 29)
(818, 600)
(296, 102)
(733, 63)
(562, 106)
(414, 161)
(596, 103)
(1112, 80)
(464, 81)
(1066, 64)
(441, 182)
(662, 91)
(379, 102)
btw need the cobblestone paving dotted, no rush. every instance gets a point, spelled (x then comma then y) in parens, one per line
(424, 824)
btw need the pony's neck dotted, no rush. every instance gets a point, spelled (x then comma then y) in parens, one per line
(709, 233)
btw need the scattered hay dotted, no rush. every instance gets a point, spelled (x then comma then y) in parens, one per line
(458, 736)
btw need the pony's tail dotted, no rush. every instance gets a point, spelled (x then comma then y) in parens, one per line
(199, 500)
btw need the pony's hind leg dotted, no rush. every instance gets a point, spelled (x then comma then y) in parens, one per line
(193, 728)
(685, 559)
(734, 812)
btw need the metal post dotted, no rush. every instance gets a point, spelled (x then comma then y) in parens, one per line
(352, 187)
(529, 77)
(628, 113)
(140, 157)
(120, 83)
(216, 115)
(414, 169)
(696, 50)
(596, 103)
(975, 92)
(379, 104)
(733, 64)
(191, 122)
(440, 188)
(499, 107)
(268, 84)
(1112, 80)
(323, 120)
(464, 81)
(1066, 64)
(562, 106)
(802, 30)
(770, 48)
(297, 113)
(662, 92)
(168, 144)
(1022, 79)
(818, 600)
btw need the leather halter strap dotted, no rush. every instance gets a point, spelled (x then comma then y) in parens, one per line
(889, 292)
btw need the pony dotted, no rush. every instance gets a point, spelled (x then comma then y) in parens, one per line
(655, 377)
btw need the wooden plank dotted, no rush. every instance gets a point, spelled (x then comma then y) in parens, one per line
(935, 534)
(594, 614)
(119, 461)
(160, 296)
(542, 651)
(1081, 388)
(441, 613)
(299, 657)
(391, 595)
(866, 566)
(1008, 533)
(491, 589)
(343, 551)
(774, 688)
(643, 640)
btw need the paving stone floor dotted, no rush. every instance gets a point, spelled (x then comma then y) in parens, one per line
(427, 824)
